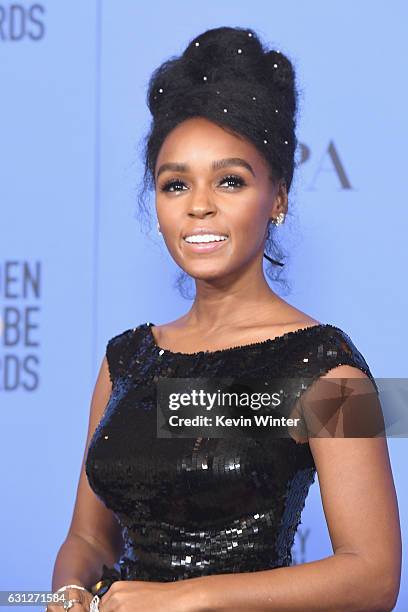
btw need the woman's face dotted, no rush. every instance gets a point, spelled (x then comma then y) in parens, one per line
(209, 179)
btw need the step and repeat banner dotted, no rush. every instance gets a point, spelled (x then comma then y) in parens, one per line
(76, 266)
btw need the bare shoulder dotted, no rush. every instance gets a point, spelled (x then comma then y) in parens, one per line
(171, 330)
(300, 323)
(288, 317)
(346, 371)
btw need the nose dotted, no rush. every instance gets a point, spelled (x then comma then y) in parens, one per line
(201, 204)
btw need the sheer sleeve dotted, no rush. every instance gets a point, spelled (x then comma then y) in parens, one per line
(339, 407)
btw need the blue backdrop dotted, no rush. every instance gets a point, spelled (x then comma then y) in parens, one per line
(75, 269)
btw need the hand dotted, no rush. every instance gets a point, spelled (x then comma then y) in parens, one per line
(85, 598)
(139, 596)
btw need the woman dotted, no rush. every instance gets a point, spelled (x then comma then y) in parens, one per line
(209, 523)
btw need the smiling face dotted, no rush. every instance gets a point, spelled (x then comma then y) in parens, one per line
(210, 180)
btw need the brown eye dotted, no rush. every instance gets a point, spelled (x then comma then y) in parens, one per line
(233, 181)
(172, 185)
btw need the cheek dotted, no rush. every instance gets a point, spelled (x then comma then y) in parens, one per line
(249, 218)
(171, 221)
(168, 214)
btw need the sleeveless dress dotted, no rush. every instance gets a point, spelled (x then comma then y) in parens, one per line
(193, 507)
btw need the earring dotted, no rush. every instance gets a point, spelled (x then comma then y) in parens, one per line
(158, 228)
(279, 219)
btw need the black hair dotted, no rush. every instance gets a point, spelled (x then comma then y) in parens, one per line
(227, 68)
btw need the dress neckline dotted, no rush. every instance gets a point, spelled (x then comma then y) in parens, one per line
(231, 349)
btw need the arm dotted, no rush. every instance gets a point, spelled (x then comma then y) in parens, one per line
(361, 510)
(94, 536)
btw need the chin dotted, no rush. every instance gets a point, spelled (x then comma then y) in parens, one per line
(199, 273)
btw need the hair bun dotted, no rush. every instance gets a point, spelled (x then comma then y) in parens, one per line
(226, 53)
(228, 76)
(280, 72)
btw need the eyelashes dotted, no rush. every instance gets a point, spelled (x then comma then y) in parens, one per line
(231, 178)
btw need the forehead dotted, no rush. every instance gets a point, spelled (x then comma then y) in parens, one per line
(199, 140)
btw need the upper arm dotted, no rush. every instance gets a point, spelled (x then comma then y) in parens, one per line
(358, 493)
(91, 519)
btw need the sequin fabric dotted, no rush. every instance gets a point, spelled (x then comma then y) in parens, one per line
(190, 507)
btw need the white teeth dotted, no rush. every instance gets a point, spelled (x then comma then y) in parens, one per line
(204, 238)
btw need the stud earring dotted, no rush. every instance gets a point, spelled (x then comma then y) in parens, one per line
(279, 219)
(158, 228)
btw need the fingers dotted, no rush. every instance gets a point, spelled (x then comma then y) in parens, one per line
(105, 600)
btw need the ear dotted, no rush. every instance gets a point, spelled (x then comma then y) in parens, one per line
(280, 199)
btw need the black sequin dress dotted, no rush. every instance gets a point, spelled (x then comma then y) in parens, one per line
(190, 507)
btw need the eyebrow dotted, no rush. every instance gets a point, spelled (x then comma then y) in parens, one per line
(216, 165)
